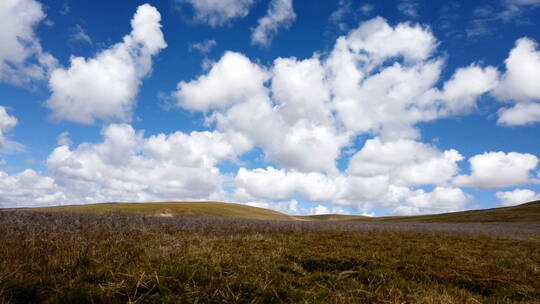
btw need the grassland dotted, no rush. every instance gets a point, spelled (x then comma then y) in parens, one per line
(63, 257)
(174, 209)
(529, 212)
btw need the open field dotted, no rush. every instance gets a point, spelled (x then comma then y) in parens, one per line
(175, 209)
(529, 212)
(60, 257)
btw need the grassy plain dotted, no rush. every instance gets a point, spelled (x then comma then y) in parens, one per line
(66, 257)
(174, 209)
(529, 212)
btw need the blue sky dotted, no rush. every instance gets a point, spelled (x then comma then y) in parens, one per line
(362, 107)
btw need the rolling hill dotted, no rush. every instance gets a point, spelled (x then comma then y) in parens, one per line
(175, 209)
(528, 212)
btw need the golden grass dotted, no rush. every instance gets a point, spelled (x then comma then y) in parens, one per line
(174, 209)
(106, 258)
(529, 212)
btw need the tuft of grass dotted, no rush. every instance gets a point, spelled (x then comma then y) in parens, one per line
(59, 257)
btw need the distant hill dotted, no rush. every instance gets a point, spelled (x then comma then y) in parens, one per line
(175, 209)
(528, 212)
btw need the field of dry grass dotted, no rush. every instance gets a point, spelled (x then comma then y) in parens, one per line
(529, 212)
(175, 209)
(60, 257)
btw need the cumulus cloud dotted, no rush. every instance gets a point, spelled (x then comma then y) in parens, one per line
(219, 12)
(498, 169)
(378, 79)
(406, 162)
(7, 123)
(280, 14)
(384, 80)
(440, 200)
(362, 193)
(231, 80)
(516, 197)
(105, 87)
(519, 84)
(126, 166)
(291, 132)
(27, 189)
(22, 58)
(460, 93)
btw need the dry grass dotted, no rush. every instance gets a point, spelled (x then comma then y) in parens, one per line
(91, 258)
(175, 209)
(529, 212)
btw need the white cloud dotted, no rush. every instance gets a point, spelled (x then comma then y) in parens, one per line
(366, 8)
(320, 209)
(279, 185)
(516, 197)
(406, 162)
(22, 59)
(280, 14)
(381, 41)
(439, 201)
(344, 7)
(300, 91)
(63, 139)
(346, 11)
(363, 193)
(204, 47)
(105, 87)
(375, 92)
(408, 8)
(498, 169)
(520, 84)
(378, 80)
(219, 12)
(291, 208)
(291, 132)
(126, 166)
(28, 188)
(520, 114)
(7, 123)
(460, 93)
(514, 8)
(231, 80)
(79, 34)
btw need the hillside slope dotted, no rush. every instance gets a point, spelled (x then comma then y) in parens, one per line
(175, 209)
(528, 212)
